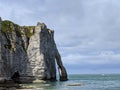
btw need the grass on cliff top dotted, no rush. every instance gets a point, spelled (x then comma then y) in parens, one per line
(8, 27)
(29, 30)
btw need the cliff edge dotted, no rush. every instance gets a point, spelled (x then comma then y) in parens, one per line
(28, 53)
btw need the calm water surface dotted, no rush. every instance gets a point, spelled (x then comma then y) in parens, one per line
(87, 82)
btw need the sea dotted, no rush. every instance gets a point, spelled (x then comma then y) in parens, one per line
(76, 82)
(81, 82)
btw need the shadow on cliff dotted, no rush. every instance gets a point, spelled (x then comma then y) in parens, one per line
(51, 55)
(15, 59)
(23, 64)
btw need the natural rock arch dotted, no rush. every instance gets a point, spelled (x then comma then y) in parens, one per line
(30, 50)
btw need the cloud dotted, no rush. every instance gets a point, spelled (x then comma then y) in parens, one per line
(96, 58)
(97, 62)
(86, 31)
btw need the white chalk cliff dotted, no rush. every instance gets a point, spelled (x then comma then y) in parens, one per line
(28, 53)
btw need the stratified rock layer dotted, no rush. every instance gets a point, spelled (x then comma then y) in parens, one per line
(29, 51)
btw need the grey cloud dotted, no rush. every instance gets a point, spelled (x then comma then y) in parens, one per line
(82, 27)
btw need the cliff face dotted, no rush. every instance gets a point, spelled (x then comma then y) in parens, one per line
(28, 53)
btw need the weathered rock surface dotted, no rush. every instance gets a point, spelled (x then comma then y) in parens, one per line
(29, 50)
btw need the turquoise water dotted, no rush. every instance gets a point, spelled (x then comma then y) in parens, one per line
(87, 82)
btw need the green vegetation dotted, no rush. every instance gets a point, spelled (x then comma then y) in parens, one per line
(29, 31)
(7, 26)
(18, 29)
(8, 29)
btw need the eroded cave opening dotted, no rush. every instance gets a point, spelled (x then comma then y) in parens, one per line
(16, 77)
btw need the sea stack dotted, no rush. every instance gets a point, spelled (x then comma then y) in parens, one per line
(28, 53)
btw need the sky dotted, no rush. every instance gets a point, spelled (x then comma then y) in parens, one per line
(86, 31)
